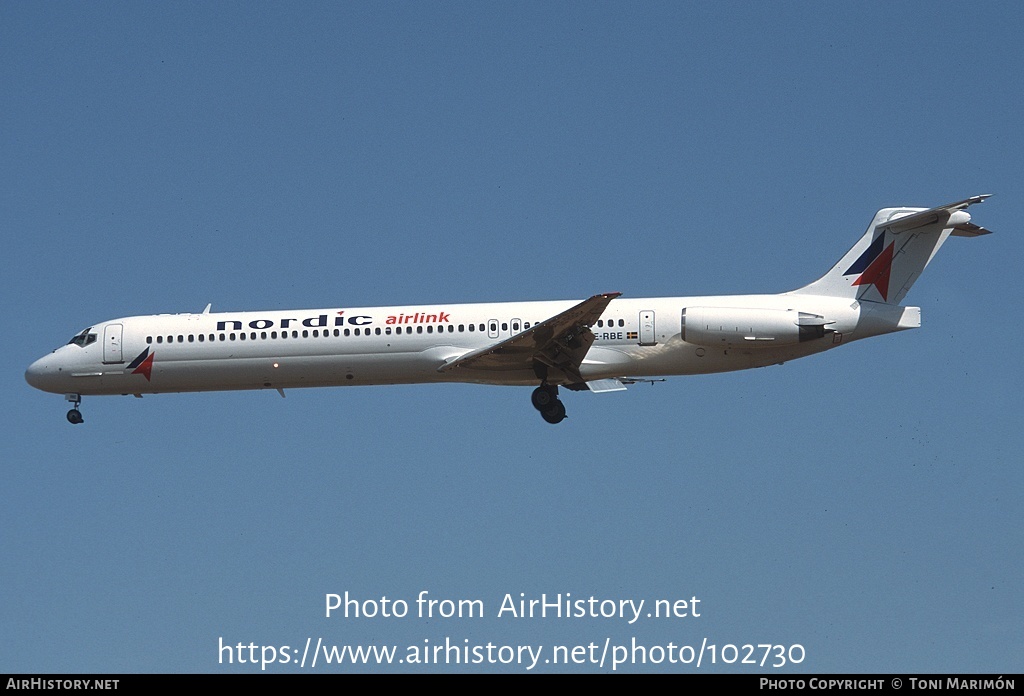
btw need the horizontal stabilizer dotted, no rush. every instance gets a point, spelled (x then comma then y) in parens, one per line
(941, 214)
(969, 229)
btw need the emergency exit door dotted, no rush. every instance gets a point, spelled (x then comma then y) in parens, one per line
(647, 336)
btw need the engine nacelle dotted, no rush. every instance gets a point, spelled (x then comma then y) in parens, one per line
(718, 326)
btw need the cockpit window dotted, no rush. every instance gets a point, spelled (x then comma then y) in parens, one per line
(83, 339)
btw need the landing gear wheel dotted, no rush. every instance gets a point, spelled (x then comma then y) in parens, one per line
(543, 396)
(555, 413)
(74, 415)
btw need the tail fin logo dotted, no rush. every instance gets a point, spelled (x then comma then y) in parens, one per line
(143, 364)
(874, 266)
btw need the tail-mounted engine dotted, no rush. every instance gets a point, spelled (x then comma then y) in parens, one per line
(718, 326)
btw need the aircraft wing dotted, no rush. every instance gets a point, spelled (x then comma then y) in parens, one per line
(560, 343)
(961, 227)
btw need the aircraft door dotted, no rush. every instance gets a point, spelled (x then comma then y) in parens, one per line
(647, 337)
(112, 335)
(492, 328)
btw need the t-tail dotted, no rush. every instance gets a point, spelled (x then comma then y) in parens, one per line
(895, 250)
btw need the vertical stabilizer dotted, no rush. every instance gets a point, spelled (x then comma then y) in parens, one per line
(895, 250)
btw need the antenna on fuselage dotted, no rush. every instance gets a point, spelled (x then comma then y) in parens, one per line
(207, 310)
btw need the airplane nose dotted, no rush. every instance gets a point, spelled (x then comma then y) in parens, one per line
(35, 373)
(42, 375)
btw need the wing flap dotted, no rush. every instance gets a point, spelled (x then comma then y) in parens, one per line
(599, 386)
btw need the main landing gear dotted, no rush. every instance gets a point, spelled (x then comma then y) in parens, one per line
(74, 415)
(545, 399)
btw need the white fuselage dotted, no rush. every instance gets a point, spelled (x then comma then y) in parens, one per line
(408, 344)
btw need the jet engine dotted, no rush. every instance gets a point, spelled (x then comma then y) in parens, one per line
(717, 326)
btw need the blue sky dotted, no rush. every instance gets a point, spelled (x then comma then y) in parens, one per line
(156, 157)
